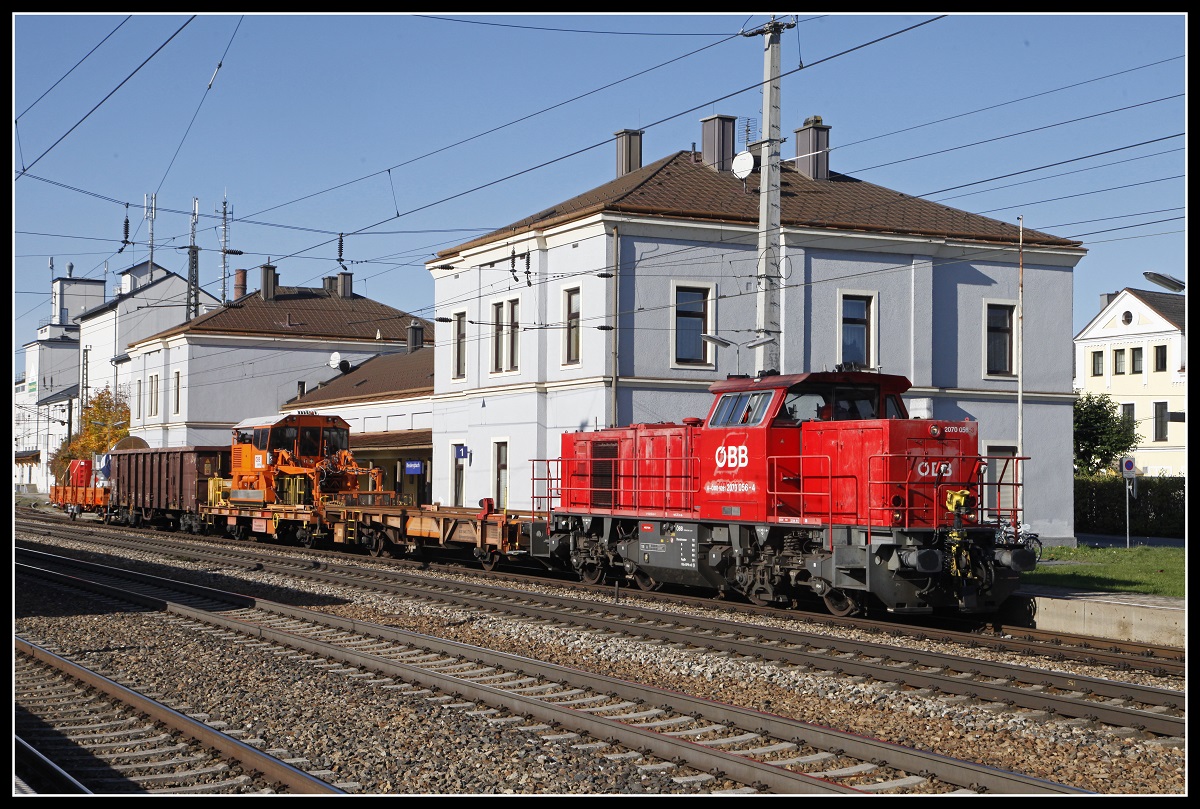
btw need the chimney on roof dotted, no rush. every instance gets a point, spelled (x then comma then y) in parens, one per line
(416, 336)
(717, 141)
(329, 284)
(1107, 297)
(270, 282)
(812, 149)
(345, 285)
(239, 283)
(629, 150)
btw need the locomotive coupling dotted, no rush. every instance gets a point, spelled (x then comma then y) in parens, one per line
(922, 560)
(1022, 560)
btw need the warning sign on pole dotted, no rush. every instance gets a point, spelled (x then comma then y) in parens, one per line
(1128, 467)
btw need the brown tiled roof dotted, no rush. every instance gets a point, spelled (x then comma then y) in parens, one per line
(681, 187)
(384, 376)
(1168, 304)
(400, 439)
(307, 312)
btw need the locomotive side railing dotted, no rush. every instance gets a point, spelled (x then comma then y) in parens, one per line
(917, 500)
(804, 487)
(800, 487)
(629, 489)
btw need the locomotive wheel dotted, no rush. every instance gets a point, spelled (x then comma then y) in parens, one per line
(305, 538)
(841, 604)
(591, 574)
(644, 582)
(763, 600)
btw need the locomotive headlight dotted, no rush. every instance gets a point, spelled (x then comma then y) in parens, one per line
(935, 430)
(898, 504)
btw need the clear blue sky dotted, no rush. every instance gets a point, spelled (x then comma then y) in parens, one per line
(412, 133)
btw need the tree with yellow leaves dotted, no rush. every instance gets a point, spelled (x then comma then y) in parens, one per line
(104, 422)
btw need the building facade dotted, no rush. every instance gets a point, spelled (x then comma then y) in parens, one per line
(1134, 351)
(190, 384)
(623, 304)
(45, 395)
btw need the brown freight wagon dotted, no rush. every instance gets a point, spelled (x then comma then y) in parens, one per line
(164, 486)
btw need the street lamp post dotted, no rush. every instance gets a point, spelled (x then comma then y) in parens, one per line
(721, 342)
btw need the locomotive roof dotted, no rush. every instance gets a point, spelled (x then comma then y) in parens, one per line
(275, 418)
(889, 383)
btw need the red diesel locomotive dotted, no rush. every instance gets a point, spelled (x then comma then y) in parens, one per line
(815, 482)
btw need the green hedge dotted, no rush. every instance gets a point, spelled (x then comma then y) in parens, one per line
(1157, 511)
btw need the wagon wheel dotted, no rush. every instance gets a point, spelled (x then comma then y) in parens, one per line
(841, 604)
(491, 560)
(377, 544)
(645, 582)
(592, 573)
(306, 538)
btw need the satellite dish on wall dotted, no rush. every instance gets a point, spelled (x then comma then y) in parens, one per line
(743, 165)
(334, 359)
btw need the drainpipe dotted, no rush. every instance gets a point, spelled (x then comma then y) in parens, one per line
(616, 331)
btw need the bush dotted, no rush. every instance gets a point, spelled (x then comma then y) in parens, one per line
(1156, 511)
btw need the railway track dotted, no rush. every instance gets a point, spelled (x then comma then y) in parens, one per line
(76, 731)
(1001, 685)
(1054, 647)
(617, 718)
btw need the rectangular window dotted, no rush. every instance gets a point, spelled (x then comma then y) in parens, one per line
(1135, 360)
(999, 339)
(153, 394)
(1097, 363)
(498, 341)
(691, 323)
(501, 456)
(175, 408)
(1127, 412)
(571, 311)
(1160, 421)
(856, 330)
(138, 400)
(1160, 358)
(1119, 361)
(514, 334)
(505, 335)
(1002, 478)
(459, 353)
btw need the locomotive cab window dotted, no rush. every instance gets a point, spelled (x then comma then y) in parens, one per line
(283, 438)
(336, 439)
(854, 403)
(310, 441)
(802, 405)
(743, 409)
(260, 437)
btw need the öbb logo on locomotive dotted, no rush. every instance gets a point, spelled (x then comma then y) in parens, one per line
(793, 487)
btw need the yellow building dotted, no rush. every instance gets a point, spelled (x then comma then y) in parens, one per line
(1135, 351)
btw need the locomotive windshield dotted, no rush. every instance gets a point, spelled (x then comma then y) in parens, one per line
(742, 409)
(336, 439)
